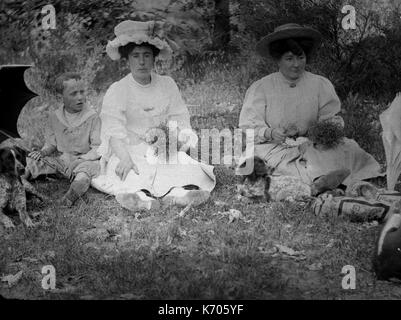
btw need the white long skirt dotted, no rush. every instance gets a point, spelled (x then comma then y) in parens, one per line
(155, 176)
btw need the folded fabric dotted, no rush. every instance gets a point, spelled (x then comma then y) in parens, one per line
(288, 188)
(354, 209)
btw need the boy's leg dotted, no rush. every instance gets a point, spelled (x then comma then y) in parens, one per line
(84, 172)
(77, 188)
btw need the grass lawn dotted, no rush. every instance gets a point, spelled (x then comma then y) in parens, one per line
(101, 251)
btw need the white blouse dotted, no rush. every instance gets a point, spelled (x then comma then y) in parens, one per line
(274, 102)
(129, 109)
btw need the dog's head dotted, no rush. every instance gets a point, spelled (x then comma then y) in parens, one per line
(260, 169)
(12, 161)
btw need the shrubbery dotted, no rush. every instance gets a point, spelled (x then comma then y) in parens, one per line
(365, 60)
(363, 64)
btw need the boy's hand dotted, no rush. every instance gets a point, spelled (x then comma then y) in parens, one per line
(36, 155)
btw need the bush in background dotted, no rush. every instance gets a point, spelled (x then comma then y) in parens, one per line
(363, 64)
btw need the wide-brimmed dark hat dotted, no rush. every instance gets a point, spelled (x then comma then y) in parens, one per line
(286, 31)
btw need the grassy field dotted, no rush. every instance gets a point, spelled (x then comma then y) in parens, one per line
(101, 251)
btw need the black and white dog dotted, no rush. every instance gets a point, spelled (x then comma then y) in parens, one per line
(256, 183)
(387, 260)
(13, 188)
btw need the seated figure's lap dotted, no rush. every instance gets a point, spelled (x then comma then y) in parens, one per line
(316, 162)
(157, 178)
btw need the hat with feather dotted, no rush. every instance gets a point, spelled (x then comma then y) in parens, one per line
(151, 32)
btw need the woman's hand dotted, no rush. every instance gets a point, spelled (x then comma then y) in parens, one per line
(304, 146)
(187, 139)
(126, 164)
(278, 135)
(124, 167)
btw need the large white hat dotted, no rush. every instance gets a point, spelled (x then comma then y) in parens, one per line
(139, 32)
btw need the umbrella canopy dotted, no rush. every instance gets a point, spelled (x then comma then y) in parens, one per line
(14, 94)
(390, 120)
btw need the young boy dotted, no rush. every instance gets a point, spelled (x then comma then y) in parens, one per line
(74, 131)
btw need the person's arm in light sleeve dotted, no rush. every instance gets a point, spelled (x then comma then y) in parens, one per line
(113, 133)
(253, 113)
(50, 145)
(178, 112)
(94, 140)
(329, 103)
(177, 109)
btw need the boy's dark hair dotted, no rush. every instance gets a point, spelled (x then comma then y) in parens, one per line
(127, 49)
(65, 77)
(297, 46)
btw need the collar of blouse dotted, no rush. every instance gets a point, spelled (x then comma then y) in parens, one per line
(151, 83)
(291, 83)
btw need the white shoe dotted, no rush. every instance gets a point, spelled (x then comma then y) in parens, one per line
(137, 202)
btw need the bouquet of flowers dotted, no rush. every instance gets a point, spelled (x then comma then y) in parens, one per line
(293, 139)
(165, 141)
(159, 140)
(326, 134)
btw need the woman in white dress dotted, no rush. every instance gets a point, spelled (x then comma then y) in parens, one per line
(141, 101)
(294, 99)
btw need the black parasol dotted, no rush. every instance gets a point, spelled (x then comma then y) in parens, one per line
(14, 94)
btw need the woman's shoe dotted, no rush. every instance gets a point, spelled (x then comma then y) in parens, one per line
(134, 202)
(329, 181)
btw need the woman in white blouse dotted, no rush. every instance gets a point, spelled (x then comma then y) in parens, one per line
(288, 102)
(140, 101)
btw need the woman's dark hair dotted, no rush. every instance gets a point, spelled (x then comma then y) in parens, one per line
(297, 46)
(127, 49)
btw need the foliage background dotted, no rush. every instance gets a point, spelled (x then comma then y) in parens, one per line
(215, 62)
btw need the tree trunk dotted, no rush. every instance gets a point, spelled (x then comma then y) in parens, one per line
(221, 31)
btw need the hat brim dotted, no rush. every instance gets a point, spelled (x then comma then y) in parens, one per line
(262, 47)
(114, 54)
